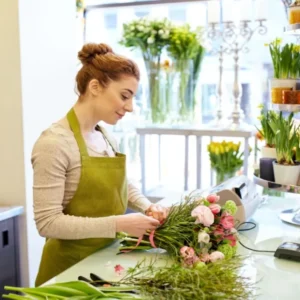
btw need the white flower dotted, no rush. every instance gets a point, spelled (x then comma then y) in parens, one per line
(150, 40)
(154, 32)
(141, 28)
(167, 32)
(165, 36)
(203, 237)
(132, 28)
(161, 32)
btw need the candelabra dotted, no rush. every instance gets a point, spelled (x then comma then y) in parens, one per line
(233, 39)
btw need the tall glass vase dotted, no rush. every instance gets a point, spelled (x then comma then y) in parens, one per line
(156, 99)
(223, 176)
(185, 90)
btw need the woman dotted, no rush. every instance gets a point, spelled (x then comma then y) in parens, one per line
(80, 186)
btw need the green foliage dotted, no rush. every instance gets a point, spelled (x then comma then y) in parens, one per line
(286, 138)
(266, 131)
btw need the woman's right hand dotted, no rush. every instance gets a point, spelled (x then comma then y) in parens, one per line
(135, 224)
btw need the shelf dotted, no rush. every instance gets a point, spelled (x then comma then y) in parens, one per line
(276, 186)
(292, 215)
(286, 107)
(293, 29)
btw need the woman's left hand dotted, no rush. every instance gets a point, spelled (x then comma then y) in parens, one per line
(158, 212)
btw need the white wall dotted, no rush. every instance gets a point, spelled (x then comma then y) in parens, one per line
(37, 71)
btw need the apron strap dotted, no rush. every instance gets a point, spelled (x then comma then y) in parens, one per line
(75, 127)
(107, 137)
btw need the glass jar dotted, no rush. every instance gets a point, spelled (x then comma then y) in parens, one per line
(294, 13)
(291, 97)
(277, 86)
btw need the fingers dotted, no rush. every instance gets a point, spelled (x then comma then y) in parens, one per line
(158, 212)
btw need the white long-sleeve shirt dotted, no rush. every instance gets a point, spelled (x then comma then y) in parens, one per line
(57, 167)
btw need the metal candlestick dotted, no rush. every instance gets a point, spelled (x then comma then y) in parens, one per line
(233, 39)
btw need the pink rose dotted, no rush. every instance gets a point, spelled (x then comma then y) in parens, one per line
(187, 252)
(213, 198)
(232, 239)
(204, 215)
(227, 222)
(216, 255)
(219, 233)
(215, 208)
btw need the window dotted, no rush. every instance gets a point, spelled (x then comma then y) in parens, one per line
(110, 21)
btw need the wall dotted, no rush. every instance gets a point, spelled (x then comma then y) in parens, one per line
(37, 70)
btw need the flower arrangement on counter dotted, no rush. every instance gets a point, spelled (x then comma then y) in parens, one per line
(200, 238)
(197, 231)
(226, 159)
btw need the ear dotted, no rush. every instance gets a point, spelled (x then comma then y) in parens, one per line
(94, 87)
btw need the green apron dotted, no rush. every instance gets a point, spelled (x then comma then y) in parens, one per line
(101, 192)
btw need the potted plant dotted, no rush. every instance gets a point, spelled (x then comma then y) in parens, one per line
(284, 71)
(286, 168)
(266, 132)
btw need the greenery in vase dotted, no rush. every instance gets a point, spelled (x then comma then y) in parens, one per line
(150, 36)
(286, 138)
(225, 157)
(266, 131)
(186, 51)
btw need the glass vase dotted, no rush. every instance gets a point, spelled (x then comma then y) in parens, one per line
(156, 99)
(223, 176)
(185, 88)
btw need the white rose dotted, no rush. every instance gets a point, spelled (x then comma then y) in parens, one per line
(150, 40)
(203, 237)
(141, 28)
(161, 32)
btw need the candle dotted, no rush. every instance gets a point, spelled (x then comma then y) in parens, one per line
(246, 10)
(228, 11)
(213, 12)
(260, 9)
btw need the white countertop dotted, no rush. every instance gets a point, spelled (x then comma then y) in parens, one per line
(276, 279)
(7, 212)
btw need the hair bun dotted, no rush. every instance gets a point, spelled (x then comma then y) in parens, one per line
(89, 51)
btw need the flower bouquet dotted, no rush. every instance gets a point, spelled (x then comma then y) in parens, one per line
(196, 232)
(225, 159)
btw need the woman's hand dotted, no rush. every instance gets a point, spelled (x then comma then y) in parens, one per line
(158, 212)
(135, 224)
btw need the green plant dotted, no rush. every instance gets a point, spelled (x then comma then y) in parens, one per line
(266, 131)
(286, 138)
(281, 58)
(150, 36)
(185, 49)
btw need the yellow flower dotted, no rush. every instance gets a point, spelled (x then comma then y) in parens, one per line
(260, 106)
(277, 41)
